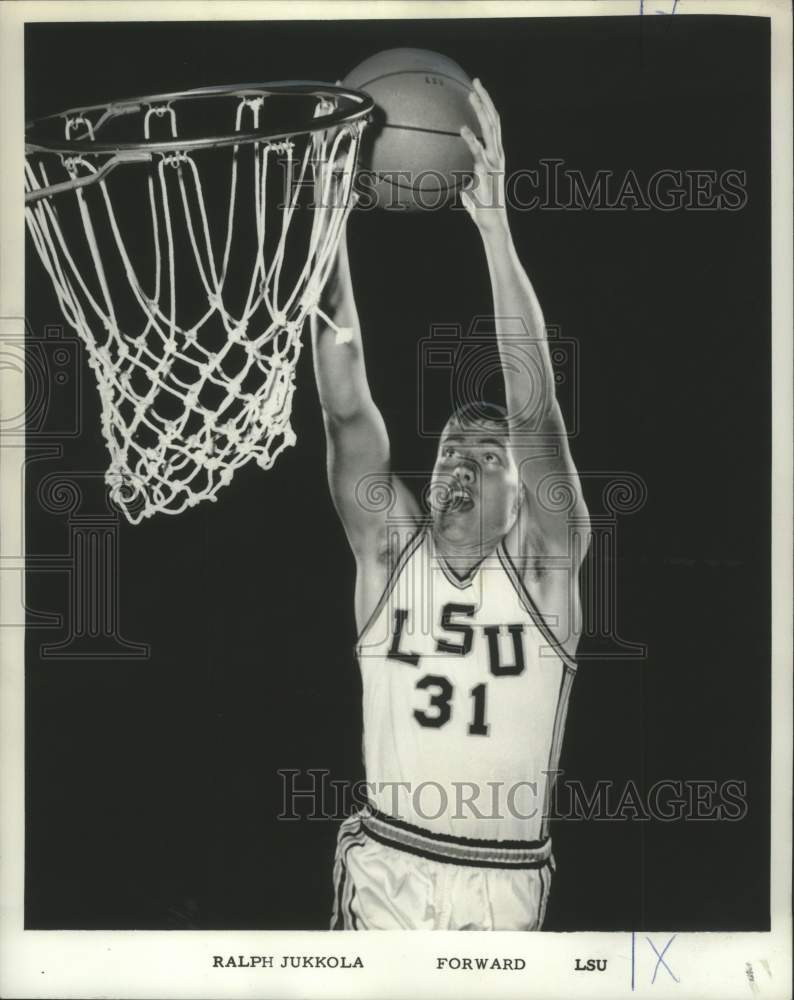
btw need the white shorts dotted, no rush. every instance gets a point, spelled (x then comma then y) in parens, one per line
(391, 876)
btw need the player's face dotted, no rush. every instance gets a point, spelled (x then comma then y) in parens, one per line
(475, 486)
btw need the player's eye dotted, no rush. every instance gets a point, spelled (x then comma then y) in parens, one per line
(491, 457)
(448, 452)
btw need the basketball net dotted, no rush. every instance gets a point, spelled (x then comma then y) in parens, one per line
(187, 400)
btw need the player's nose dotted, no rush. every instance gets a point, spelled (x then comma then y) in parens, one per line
(465, 473)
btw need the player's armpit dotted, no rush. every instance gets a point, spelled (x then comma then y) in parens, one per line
(555, 508)
(368, 497)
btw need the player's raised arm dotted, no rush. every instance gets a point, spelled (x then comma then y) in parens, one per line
(537, 427)
(358, 444)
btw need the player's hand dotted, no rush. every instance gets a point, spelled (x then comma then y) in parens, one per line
(484, 197)
(333, 182)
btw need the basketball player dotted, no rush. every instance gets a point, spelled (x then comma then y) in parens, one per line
(467, 620)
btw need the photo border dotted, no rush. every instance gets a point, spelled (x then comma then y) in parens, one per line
(143, 964)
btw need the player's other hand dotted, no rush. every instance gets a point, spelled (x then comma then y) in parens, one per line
(484, 197)
(333, 182)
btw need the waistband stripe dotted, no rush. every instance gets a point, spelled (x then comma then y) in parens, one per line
(455, 850)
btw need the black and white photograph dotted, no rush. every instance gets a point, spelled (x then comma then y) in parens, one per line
(396, 460)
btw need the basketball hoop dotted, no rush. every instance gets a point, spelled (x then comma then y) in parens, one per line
(190, 395)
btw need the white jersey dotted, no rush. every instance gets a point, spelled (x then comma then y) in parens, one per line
(465, 696)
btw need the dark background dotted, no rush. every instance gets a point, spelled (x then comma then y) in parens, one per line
(152, 788)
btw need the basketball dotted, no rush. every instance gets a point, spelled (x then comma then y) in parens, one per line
(413, 156)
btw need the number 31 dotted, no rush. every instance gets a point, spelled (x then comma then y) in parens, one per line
(441, 700)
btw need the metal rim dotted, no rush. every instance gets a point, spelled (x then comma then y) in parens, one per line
(362, 106)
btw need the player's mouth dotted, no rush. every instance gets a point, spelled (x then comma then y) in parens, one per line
(458, 500)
